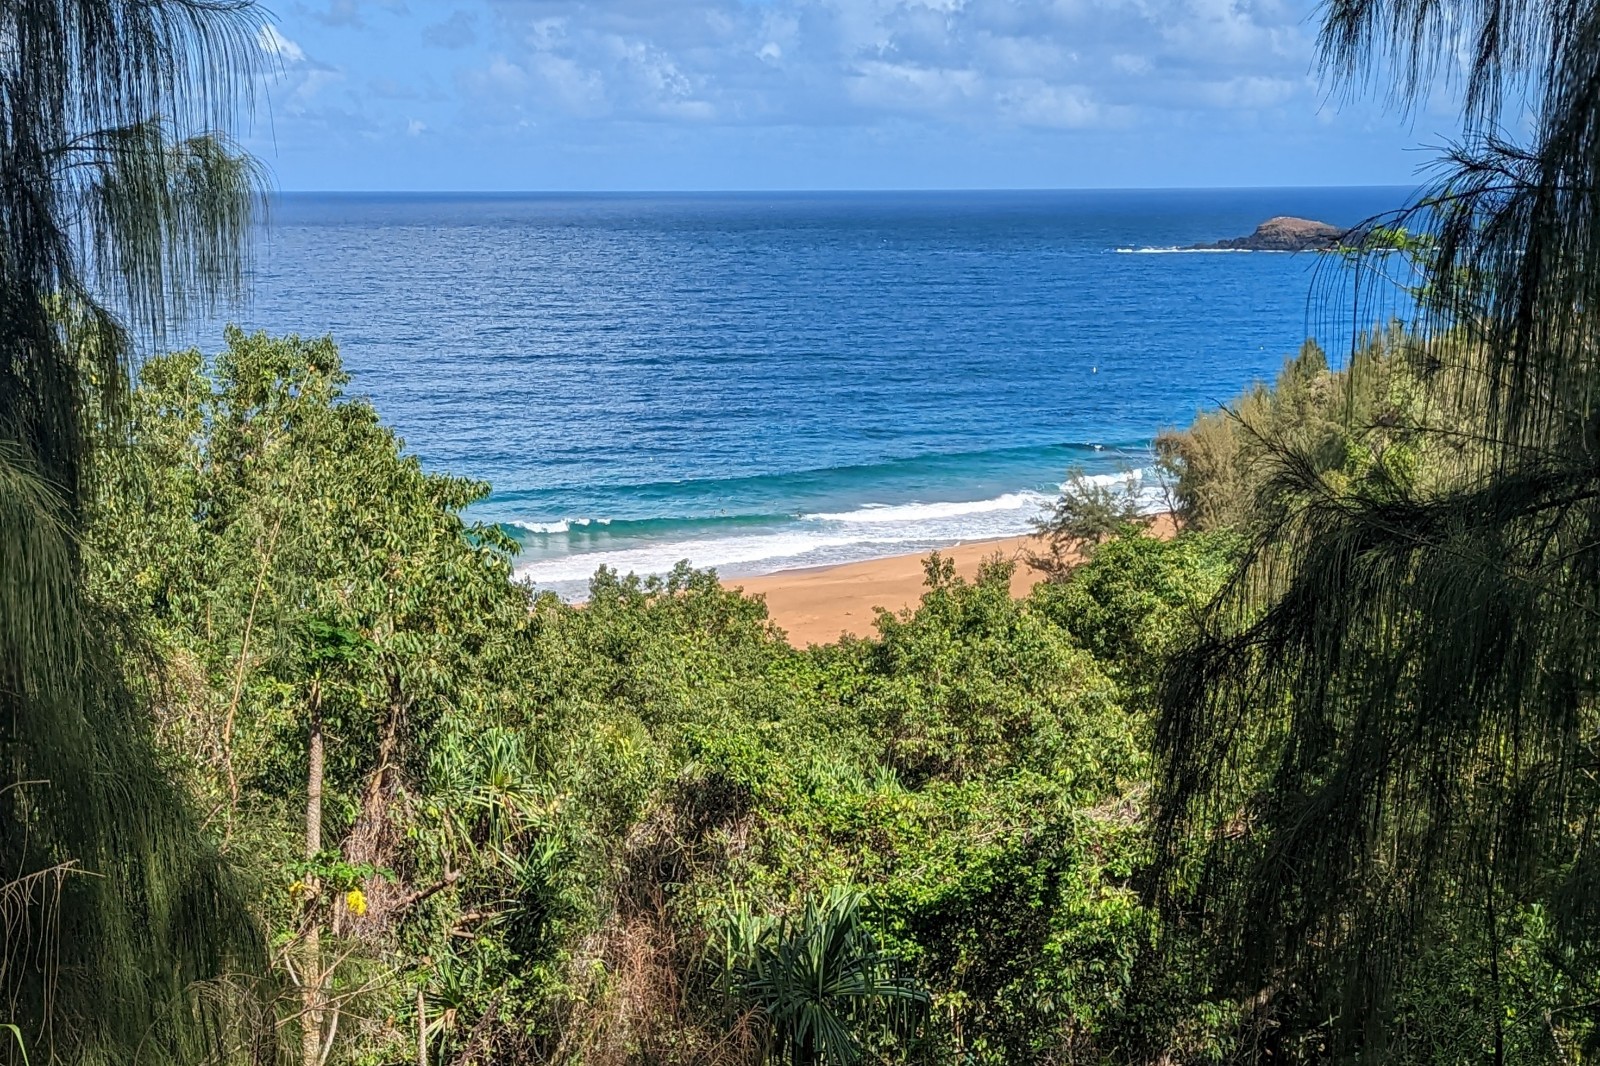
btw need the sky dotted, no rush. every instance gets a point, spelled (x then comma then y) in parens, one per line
(520, 95)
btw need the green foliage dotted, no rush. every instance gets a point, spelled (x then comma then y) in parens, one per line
(820, 980)
(280, 550)
(648, 830)
(1086, 513)
(1379, 755)
(973, 683)
(1138, 600)
(1291, 708)
(21, 1045)
(126, 936)
(540, 817)
(486, 827)
(1359, 423)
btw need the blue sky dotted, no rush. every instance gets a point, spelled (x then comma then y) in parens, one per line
(815, 94)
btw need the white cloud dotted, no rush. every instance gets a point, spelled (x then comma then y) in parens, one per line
(774, 92)
(504, 75)
(277, 45)
(1248, 92)
(1064, 64)
(300, 87)
(1056, 107)
(906, 87)
(1126, 63)
(457, 31)
(576, 89)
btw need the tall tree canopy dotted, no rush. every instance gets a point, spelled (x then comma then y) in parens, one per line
(121, 208)
(1387, 741)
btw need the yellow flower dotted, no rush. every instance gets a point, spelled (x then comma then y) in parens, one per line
(356, 902)
(298, 888)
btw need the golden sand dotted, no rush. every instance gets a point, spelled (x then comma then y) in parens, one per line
(818, 605)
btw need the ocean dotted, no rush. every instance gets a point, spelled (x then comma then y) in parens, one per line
(756, 382)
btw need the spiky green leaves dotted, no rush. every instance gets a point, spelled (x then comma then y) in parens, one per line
(820, 980)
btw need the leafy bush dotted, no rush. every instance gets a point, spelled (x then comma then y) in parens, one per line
(641, 830)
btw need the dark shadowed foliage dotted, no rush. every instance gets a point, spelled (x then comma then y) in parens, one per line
(1380, 760)
(125, 936)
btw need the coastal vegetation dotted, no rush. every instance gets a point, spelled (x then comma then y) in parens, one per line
(126, 934)
(485, 825)
(647, 829)
(297, 771)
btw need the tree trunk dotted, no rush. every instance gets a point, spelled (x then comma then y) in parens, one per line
(311, 973)
(373, 837)
(239, 672)
(366, 843)
(422, 1029)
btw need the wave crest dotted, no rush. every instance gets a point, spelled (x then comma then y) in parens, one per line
(1189, 251)
(560, 525)
(914, 512)
(746, 545)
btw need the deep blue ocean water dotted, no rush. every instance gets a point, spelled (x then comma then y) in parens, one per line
(763, 381)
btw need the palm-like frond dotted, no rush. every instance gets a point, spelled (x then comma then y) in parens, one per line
(164, 218)
(112, 186)
(819, 979)
(1495, 52)
(1389, 737)
(115, 203)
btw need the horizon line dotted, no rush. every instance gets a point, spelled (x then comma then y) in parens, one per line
(828, 191)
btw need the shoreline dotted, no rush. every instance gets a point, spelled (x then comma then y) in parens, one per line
(819, 604)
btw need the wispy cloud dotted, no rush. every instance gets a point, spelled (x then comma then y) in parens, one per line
(457, 31)
(612, 87)
(1059, 63)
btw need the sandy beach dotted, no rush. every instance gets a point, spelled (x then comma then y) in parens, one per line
(817, 605)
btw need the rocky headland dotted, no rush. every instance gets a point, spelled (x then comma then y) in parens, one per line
(1282, 234)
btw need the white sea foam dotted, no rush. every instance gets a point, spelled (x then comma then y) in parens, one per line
(824, 538)
(1189, 251)
(1130, 477)
(877, 513)
(560, 525)
(812, 540)
(737, 553)
(1149, 489)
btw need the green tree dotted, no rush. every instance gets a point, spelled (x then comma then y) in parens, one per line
(1337, 424)
(1382, 756)
(971, 682)
(115, 196)
(1084, 514)
(1139, 600)
(343, 632)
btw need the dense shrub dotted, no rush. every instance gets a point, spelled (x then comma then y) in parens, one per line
(604, 834)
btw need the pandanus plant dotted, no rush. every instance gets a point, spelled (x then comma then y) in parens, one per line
(819, 981)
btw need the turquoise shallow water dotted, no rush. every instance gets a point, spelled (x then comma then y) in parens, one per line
(761, 381)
